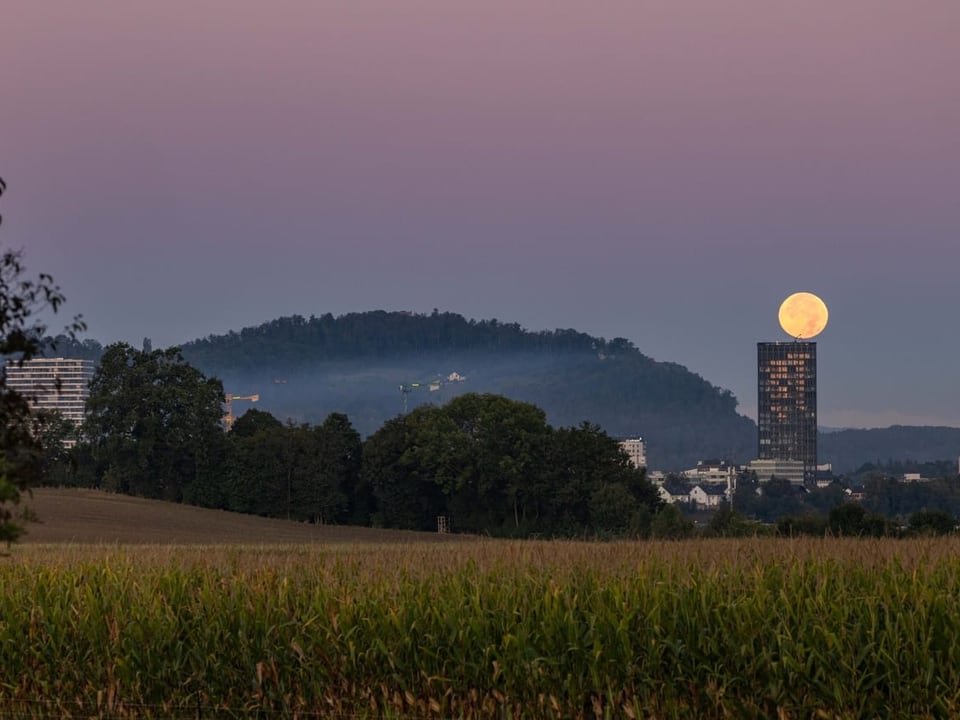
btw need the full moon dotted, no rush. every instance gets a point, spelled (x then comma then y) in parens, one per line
(803, 315)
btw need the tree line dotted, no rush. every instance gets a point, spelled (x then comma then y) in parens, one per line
(487, 463)
(295, 340)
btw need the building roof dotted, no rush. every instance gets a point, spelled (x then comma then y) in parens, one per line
(676, 488)
(713, 488)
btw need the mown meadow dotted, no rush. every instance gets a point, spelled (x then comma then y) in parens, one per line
(759, 628)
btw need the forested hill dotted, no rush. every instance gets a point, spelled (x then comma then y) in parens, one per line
(300, 342)
(847, 450)
(305, 368)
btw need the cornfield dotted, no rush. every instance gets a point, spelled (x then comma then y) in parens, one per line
(835, 628)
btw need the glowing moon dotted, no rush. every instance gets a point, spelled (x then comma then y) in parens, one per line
(803, 315)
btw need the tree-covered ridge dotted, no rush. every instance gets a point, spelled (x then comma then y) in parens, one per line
(295, 341)
(71, 347)
(847, 450)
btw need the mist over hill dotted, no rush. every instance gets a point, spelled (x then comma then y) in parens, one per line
(305, 368)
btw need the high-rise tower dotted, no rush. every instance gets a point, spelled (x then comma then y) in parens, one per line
(787, 386)
(787, 402)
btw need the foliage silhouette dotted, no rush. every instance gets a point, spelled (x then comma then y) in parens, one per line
(22, 457)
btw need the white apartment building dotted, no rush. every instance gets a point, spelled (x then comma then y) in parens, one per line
(636, 450)
(37, 379)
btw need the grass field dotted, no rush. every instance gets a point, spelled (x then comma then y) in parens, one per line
(831, 628)
(91, 516)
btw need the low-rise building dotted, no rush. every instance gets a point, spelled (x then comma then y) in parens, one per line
(657, 477)
(713, 471)
(673, 492)
(824, 475)
(792, 470)
(709, 495)
(636, 450)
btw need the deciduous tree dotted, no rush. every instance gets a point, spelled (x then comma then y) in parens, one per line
(152, 423)
(21, 335)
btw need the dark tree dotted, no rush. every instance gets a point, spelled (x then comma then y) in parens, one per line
(254, 477)
(670, 524)
(495, 466)
(404, 496)
(338, 496)
(21, 338)
(153, 424)
(847, 520)
(932, 522)
(726, 522)
(55, 433)
(586, 469)
(502, 445)
(252, 422)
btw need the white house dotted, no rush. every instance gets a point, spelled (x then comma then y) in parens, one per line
(708, 495)
(674, 492)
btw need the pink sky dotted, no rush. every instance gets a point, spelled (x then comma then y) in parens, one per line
(663, 171)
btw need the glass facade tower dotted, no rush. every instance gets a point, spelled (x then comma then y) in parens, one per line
(787, 402)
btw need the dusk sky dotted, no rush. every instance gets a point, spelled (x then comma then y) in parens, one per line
(666, 171)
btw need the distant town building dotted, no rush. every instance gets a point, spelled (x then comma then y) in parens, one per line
(824, 475)
(657, 477)
(787, 403)
(636, 450)
(716, 478)
(702, 496)
(792, 470)
(37, 381)
(713, 472)
(674, 492)
(709, 495)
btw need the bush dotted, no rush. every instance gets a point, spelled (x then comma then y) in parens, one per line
(932, 522)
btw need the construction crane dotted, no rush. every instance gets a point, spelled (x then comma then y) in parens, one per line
(406, 389)
(431, 386)
(228, 417)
